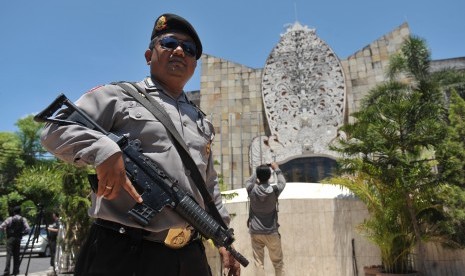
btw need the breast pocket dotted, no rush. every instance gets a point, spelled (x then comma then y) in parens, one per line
(149, 130)
(139, 113)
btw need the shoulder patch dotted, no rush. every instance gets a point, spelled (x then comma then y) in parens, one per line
(95, 88)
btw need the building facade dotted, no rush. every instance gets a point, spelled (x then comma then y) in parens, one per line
(290, 110)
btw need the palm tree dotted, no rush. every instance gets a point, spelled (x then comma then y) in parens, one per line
(389, 158)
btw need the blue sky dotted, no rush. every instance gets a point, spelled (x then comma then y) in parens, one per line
(68, 46)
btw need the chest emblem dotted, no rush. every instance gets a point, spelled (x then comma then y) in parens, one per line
(208, 148)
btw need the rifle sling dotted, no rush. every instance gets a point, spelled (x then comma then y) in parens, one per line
(160, 113)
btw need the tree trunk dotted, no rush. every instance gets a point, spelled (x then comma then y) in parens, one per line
(416, 229)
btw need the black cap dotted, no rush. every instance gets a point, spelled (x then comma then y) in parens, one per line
(169, 22)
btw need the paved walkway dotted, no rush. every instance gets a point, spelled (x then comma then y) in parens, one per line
(40, 273)
(43, 273)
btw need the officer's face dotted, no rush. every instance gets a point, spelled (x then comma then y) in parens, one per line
(171, 61)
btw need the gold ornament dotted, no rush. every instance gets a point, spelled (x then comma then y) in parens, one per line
(161, 24)
(178, 237)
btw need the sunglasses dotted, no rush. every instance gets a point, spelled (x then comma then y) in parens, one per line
(171, 43)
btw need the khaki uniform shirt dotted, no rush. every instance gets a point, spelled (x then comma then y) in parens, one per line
(119, 113)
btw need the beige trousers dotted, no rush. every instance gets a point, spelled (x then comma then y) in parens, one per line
(273, 244)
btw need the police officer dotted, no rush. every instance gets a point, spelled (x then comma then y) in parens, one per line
(172, 57)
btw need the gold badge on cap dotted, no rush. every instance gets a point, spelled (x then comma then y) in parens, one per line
(161, 23)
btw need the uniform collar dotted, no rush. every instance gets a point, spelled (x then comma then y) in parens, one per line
(153, 86)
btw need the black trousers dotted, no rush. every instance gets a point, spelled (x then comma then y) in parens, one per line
(107, 252)
(12, 250)
(53, 250)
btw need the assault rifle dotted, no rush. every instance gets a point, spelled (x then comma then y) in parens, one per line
(157, 189)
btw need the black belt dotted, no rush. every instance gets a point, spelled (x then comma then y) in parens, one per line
(133, 231)
(120, 228)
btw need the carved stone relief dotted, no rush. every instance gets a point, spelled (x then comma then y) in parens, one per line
(303, 92)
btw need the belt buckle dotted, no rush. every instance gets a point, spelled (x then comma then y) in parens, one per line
(178, 237)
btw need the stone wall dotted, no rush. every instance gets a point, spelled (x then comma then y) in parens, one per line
(316, 235)
(451, 63)
(318, 226)
(367, 67)
(231, 96)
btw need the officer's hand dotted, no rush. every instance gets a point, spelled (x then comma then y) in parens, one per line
(231, 266)
(112, 177)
